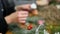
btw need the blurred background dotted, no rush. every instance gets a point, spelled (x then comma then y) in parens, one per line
(48, 9)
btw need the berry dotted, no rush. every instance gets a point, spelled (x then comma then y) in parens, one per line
(29, 27)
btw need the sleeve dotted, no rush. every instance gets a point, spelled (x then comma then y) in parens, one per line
(3, 24)
(8, 7)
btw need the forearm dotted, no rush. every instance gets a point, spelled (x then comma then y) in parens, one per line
(0, 33)
(11, 18)
(8, 19)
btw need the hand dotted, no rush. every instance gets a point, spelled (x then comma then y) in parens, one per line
(26, 6)
(22, 16)
(14, 16)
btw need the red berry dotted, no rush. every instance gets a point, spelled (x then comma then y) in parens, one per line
(29, 27)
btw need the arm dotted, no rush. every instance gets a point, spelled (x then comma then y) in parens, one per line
(11, 18)
(0, 33)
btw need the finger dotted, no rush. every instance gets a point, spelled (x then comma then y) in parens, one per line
(22, 13)
(26, 6)
(22, 16)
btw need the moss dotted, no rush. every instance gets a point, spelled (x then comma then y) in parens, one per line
(52, 17)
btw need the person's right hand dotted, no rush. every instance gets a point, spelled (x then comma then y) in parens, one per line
(18, 15)
(26, 6)
(22, 14)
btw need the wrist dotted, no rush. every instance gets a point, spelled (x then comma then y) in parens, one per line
(0, 33)
(8, 19)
